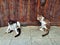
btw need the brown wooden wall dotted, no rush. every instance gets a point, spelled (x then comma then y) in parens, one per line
(52, 11)
(26, 11)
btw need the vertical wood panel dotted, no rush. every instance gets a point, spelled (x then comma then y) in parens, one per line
(33, 10)
(21, 9)
(16, 10)
(24, 10)
(11, 9)
(38, 7)
(57, 12)
(2, 9)
(28, 12)
(49, 10)
(5, 14)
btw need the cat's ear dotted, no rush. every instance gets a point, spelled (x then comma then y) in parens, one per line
(39, 15)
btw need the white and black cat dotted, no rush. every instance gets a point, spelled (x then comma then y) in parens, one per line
(14, 25)
(45, 24)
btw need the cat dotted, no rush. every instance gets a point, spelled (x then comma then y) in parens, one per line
(14, 25)
(45, 24)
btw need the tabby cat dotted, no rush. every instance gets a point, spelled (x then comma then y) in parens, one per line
(45, 24)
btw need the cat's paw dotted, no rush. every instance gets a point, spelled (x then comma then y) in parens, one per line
(41, 29)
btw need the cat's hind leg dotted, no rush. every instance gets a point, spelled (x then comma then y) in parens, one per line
(46, 31)
(41, 29)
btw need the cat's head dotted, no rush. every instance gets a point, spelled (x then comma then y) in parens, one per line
(11, 21)
(39, 17)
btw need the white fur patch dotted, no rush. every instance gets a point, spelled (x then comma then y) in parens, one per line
(41, 29)
(13, 27)
(43, 24)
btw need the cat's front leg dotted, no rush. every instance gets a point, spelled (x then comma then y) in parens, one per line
(8, 29)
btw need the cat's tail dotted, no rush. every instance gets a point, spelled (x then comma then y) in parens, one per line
(47, 32)
(19, 32)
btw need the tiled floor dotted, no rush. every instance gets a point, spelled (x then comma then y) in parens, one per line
(30, 35)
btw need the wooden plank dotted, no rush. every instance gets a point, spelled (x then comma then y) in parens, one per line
(21, 10)
(28, 12)
(38, 6)
(57, 12)
(1, 13)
